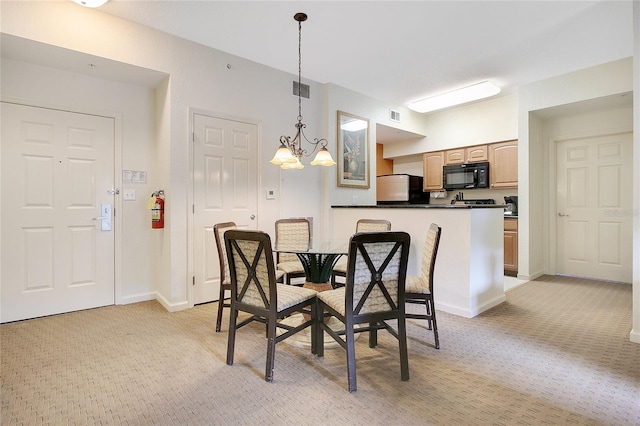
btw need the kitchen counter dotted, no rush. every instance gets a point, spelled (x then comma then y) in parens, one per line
(424, 206)
(469, 271)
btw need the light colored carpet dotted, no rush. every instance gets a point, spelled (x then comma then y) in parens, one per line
(556, 352)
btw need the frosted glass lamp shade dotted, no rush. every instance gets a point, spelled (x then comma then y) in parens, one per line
(289, 166)
(283, 155)
(323, 158)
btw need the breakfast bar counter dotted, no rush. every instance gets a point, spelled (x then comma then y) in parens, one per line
(469, 276)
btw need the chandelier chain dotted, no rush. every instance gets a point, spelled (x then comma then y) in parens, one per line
(299, 70)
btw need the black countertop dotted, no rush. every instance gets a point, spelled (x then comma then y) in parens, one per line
(423, 206)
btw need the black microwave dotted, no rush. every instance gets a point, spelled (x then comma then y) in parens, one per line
(466, 176)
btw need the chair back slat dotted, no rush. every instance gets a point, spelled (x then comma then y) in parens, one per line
(252, 268)
(373, 225)
(292, 234)
(218, 230)
(429, 254)
(377, 270)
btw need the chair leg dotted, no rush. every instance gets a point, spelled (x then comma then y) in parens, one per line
(319, 330)
(433, 319)
(220, 307)
(314, 327)
(404, 353)
(351, 358)
(373, 335)
(271, 349)
(231, 341)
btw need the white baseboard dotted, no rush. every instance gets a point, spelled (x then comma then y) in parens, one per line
(172, 307)
(488, 305)
(143, 297)
(512, 282)
(470, 313)
(634, 336)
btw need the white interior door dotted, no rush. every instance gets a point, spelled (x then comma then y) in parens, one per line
(224, 190)
(594, 207)
(57, 176)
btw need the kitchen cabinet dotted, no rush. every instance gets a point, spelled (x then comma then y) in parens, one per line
(432, 171)
(503, 161)
(472, 154)
(511, 246)
(454, 156)
(476, 154)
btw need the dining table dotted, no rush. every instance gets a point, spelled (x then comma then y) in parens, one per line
(318, 260)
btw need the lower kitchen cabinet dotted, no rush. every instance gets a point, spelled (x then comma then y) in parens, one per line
(511, 246)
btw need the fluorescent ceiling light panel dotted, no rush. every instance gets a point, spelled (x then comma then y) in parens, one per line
(90, 3)
(456, 97)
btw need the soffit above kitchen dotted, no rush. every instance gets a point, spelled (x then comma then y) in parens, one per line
(401, 51)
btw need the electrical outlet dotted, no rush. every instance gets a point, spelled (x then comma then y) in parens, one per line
(129, 194)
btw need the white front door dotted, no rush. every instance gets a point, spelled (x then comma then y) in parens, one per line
(594, 207)
(57, 177)
(225, 186)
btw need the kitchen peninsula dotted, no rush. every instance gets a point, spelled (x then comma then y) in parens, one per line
(469, 275)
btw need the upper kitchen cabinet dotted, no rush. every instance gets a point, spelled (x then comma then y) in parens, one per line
(472, 154)
(503, 160)
(476, 154)
(454, 156)
(432, 170)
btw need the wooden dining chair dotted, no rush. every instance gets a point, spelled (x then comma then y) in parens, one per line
(419, 290)
(294, 234)
(373, 294)
(362, 225)
(254, 290)
(225, 279)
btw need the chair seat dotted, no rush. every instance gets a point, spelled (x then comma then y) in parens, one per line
(334, 299)
(417, 285)
(291, 295)
(290, 267)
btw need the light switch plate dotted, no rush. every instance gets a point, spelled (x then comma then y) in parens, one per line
(129, 194)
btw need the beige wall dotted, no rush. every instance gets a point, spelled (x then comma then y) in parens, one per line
(198, 78)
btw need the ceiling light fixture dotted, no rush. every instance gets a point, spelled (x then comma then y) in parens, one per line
(290, 151)
(456, 97)
(90, 3)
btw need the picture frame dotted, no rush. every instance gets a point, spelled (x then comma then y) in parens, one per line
(353, 151)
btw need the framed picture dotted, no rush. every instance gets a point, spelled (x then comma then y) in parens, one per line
(353, 151)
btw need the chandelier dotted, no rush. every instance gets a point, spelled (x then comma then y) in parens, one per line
(290, 151)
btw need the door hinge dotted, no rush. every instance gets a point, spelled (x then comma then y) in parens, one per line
(193, 280)
(193, 208)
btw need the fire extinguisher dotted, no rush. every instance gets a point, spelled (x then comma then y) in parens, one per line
(157, 211)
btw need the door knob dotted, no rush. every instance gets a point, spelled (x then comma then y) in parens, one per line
(252, 217)
(562, 214)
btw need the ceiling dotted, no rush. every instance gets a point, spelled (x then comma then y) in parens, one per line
(400, 51)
